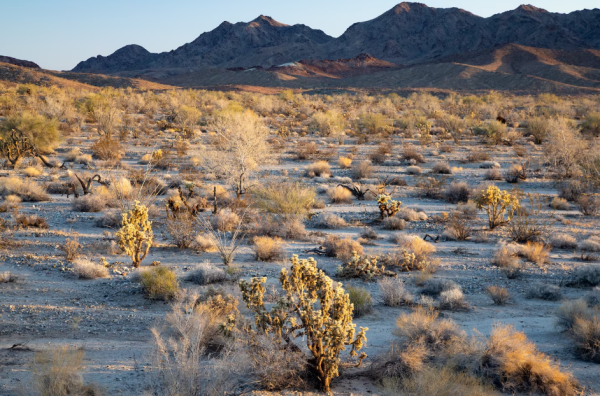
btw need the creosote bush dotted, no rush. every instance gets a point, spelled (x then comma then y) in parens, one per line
(159, 283)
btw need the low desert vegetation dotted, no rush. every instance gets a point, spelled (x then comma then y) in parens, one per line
(415, 205)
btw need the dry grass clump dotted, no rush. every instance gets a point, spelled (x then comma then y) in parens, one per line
(514, 362)
(409, 214)
(493, 174)
(415, 245)
(499, 295)
(339, 195)
(544, 291)
(159, 283)
(268, 249)
(361, 299)
(569, 311)
(28, 190)
(33, 221)
(591, 246)
(436, 286)
(457, 192)
(85, 269)
(394, 293)
(342, 248)
(588, 205)
(206, 274)
(453, 300)
(422, 326)
(331, 221)
(414, 170)
(285, 200)
(585, 277)
(586, 335)
(71, 249)
(411, 153)
(7, 277)
(344, 162)
(225, 221)
(362, 170)
(318, 169)
(436, 381)
(31, 171)
(394, 223)
(563, 241)
(559, 203)
(536, 252)
(90, 203)
(58, 373)
(11, 202)
(441, 168)
(506, 257)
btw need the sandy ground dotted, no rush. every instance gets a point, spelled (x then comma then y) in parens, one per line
(110, 318)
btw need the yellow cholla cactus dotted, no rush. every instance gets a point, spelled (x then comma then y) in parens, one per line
(387, 205)
(499, 205)
(312, 308)
(135, 236)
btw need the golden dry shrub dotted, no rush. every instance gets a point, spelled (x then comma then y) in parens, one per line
(339, 195)
(135, 236)
(318, 169)
(159, 283)
(510, 359)
(85, 269)
(285, 200)
(268, 249)
(342, 248)
(344, 162)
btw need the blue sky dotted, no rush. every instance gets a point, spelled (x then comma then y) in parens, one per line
(57, 34)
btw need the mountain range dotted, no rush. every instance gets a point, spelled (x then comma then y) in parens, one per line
(527, 49)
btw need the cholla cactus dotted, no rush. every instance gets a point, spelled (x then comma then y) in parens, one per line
(135, 236)
(500, 206)
(313, 308)
(387, 205)
(363, 267)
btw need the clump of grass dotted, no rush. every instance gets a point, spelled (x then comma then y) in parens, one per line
(339, 195)
(441, 168)
(331, 221)
(394, 292)
(394, 223)
(268, 249)
(58, 373)
(457, 192)
(225, 221)
(71, 249)
(318, 169)
(585, 277)
(85, 269)
(159, 283)
(563, 241)
(436, 286)
(28, 190)
(559, 203)
(206, 274)
(202, 243)
(342, 248)
(499, 295)
(544, 291)
(90, 203)
(33, 221)
(362, 170)
(453, 299)
(344, 162)
(506, 259)
(536, 252)
(361, 299)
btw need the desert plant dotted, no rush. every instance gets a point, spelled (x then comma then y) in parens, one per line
(361, 300)
(71, 248)
(499, 295)
(329, 220)
(457, 192)
(57, 372)
(394, 292)
(387, 206)
(339, 195)
(588, 205)
(28, 190)
(285, 200)
(394, 223)
(536, 252)
(27, 135)
(135, 236)
(364, 267)
(319, 169)
(268, 249)
(539, 128)
(226, 243)
(544, 291)
(344, 162)
(586, 335)
(563, 241)
(362, 170)
(529, 222)
(499, 205)
(206, 274)
(585, 277)
(436, 286)
(327, 327)
(453, 299)
(85, 269)
(159, 283)
(342, 248)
